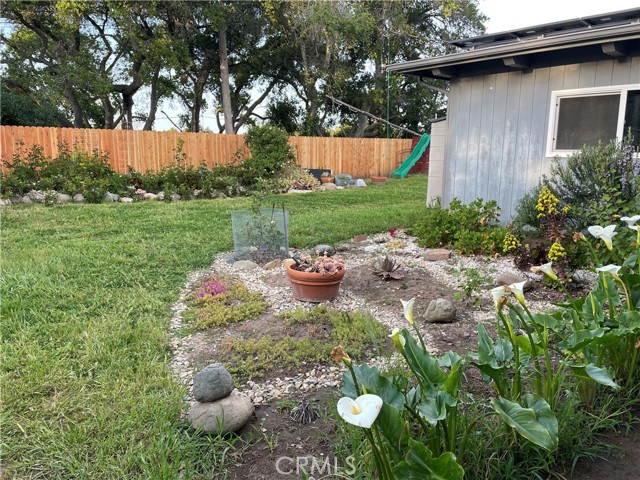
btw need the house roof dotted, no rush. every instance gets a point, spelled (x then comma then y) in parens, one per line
(598, 37)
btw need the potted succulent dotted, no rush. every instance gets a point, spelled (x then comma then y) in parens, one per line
(326, 177)
(315, 279)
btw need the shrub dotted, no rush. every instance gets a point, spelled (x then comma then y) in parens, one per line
(471, 228)
(294, 176)
(598, 182)
(270, 154)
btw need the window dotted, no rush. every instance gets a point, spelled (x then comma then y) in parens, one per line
(589, 116)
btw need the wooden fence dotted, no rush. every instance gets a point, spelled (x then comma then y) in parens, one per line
(360, 157)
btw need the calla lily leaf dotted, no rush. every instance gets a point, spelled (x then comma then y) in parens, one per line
(420, 465)
(534, 419)
(434, 408)
(598, 374)
(374, 382)
(422, 363)
(393, 428)
(547, 321)
(580, 338)
(449, 359)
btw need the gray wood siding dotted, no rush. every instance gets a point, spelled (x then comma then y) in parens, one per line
(497, 128)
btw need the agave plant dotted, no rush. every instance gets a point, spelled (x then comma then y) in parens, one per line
(388, 269)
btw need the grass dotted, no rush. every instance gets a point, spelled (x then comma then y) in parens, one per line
(86, 294)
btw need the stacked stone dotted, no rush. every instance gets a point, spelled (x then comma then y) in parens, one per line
(218, 408)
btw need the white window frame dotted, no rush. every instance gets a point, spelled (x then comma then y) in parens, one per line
(554, 109)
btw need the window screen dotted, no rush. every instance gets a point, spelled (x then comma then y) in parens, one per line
(586, 121)
(632, 116)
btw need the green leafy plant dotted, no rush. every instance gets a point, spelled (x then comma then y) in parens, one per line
(387, 269)
(472, 228)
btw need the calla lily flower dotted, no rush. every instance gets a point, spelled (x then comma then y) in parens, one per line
(631, 222)
(612, 269)
(605, 234)
(547, 269)
(398, 340)
(362, 411)
(408, 309)
(339, 355)
(518, 291)
(499, 295)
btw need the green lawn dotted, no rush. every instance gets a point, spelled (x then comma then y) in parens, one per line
(86, 295)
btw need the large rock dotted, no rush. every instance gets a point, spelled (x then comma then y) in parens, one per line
(35, 196)
(437, 254)
(150, 196)
(63, 198)
(111, 197)
(360, 183)
(175, 197)
(273, 264)
(211, 383)
(4, 202)
(78, 198)
(222, 416)
(330, 186)
(440, 310)
(507, 278)
(26, 199)
(245, 265)
(126, 200)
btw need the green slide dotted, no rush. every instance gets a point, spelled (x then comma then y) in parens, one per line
(411, 160)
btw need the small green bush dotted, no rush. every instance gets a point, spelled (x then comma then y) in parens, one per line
(472, 228)
(270, 154)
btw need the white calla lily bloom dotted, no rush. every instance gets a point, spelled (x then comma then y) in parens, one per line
(518, 291)
(499, 295)
(547, 269)
(408, 309)
(612, 269)
(605, 234)
(362, 411)
(631, 222)
(398, 339)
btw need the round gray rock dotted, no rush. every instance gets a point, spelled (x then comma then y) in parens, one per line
(507, 278)
(63, 198)
(222, 416)
(440, 310)
(245, 265)
(323, 249)
(211, 383)
(78, 197)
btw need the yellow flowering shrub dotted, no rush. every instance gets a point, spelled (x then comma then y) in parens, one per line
(510, 243)
(556, 252)
(547, 203)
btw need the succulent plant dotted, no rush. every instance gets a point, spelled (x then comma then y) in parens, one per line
(388, 269)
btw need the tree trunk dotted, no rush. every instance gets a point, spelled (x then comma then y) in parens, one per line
(153, 101)
(108, 113)
(224, 81)
(78, 115)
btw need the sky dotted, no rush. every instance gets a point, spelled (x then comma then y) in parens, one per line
(514, 14)
(503, 15)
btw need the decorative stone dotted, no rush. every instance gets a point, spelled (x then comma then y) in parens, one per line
(78, 198)
(140, 192)
(160, 196)
(35, 196)
(245, 265)
(440, 310)
(288, 261)
(330, 186)
(437, 254)
(111, 197)
(63, 198)
(150, 196)
(197, 193)
(360, 238)
(507, 278)
(323, 249)
(360, 183)
(175, 197)
(126, 200)
(226, 415)
(273, 264)
(296, 190)
(211, 383)
(26, 199)
(4, 202)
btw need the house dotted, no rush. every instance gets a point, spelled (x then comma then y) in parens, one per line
(518, 99)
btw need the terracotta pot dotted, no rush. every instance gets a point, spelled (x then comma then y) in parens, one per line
(326, 179)
(378, 179)
(313, 287)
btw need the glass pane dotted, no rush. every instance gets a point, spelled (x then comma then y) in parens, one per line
(632, 116)
(587, 121)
